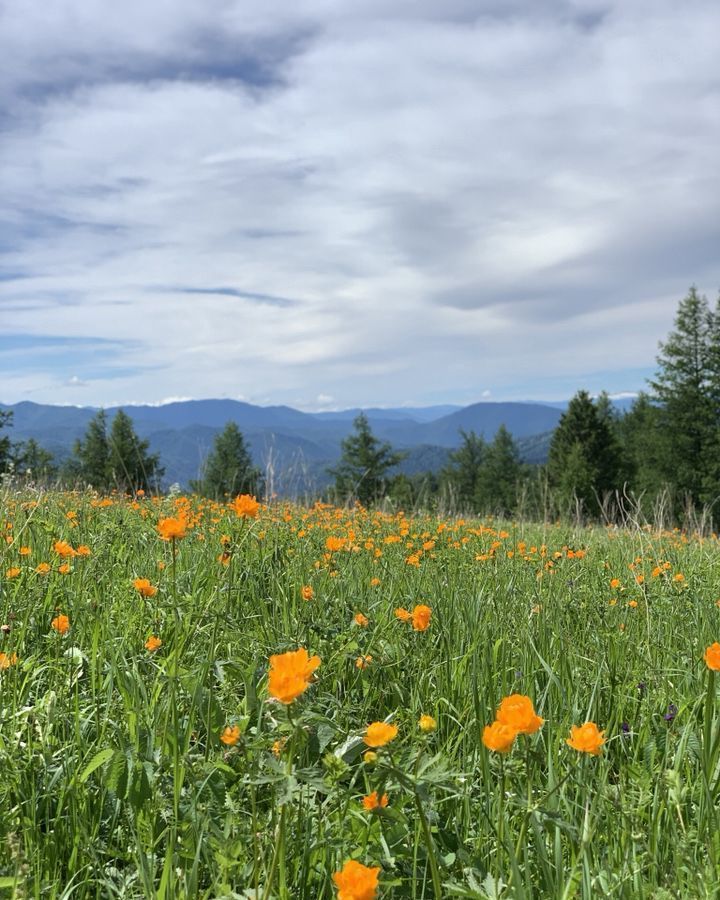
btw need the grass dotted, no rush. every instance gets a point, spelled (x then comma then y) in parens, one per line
(115, 782)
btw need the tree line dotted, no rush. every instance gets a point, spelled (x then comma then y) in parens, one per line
(664, 450)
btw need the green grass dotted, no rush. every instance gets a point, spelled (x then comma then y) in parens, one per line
(115, 782)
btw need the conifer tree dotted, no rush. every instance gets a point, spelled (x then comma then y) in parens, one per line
(228, 470)
(364, 465)
(34, 462)
(460, 476)
(683, 388)
(499, 475)
(583, 459)
(131, 466)
(92, 454)
(6, 417)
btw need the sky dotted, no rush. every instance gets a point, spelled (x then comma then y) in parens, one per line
(336, 203)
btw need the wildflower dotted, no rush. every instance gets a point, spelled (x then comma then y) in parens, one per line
(517, 712)
(372, 802)
(614, 583)
(586, 738)
(421, 617)
(361, 620)
(145, 588)
(679, 577)
(64, 569)
(672, 711)
(61, 624)
(172, 528)
(427, 723)
(25, 551)
(63, 549)
(278, 747)
(378, 734)
(245, 506)
(374, 582)
(403, 614)
(231, 735)
(498, 737)
(290, 674)
(712, 657)
(306, 592)
(334, 543)
(356, 881)
(370, 757)
(43, 568)
(7, 660)
(362, 662)
(153, 643)
(12, 572)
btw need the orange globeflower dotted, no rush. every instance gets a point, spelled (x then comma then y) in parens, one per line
(7, 660)
(172, 528)
(61, 623)
(372, 801)
(83, 550)
(63, 549)
(43, 568)
(12, 572)
(498, 737)
(421, 617)
(361, 620)
(153, 643)
(362, 662)
(378, 734)
(334, 543)
(356, 881)
(144, 587)
(712, 657)
(517, 712)
(290, 674)
(25, 551)
(245, 506)
(427, 723)
(231, 735)
(586, 738)
(306, 592)
(403, 614)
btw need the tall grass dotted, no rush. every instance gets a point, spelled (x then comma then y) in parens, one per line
(115, 782)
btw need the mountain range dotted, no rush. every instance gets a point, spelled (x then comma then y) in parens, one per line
(294, 448)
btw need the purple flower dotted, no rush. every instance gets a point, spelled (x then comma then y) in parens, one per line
(671, 713)
(642, 688)
(625, 728)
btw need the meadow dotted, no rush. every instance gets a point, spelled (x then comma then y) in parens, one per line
(207, 700)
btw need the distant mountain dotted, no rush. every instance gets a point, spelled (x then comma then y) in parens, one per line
(294, 448)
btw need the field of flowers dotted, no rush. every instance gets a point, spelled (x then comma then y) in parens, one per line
(203, 700)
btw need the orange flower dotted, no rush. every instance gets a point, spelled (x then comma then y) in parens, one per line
(586, 738)
(83, 550)
(278, 747)
(334, 543)
(614, 583)
(61, 623)
(362, 662)
(144, 587)
(64, 568)
(12, 572)
(7, 660)
(517, 712)
(231, 735)
(306, 592)
(498, 737)
(374, 582)
(679, 577)
(63, 549)
(403, 614)
(24, 551)
(372, 801)
(712, 657)
(356, 881)
(421, 617)
(290, 674)
(361, 620)
(172, 528)
(153, 643)
(245, 506)
(43, 568)
(378, 734)
(427, 723)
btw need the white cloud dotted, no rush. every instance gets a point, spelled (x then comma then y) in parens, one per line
(439, 200)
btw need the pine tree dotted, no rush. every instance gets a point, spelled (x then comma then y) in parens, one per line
(364, 465)
(228, 470)
(460, 476)
(6, 417)
(131, 466)
(34, 462)
(92, 455)
(640, 437)
(499, 475)
(583, 459)
(683, 388)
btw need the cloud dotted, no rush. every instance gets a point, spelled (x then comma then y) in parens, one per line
(376, 201)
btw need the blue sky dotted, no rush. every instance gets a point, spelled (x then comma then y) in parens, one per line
(334, 204)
